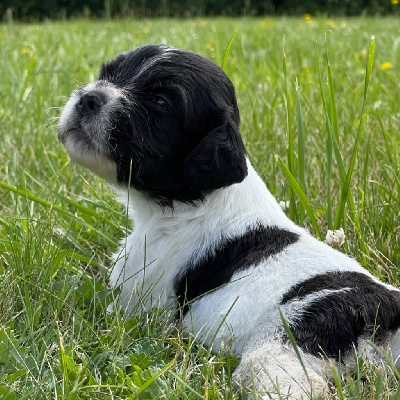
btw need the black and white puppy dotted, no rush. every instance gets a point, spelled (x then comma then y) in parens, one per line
(209, 238)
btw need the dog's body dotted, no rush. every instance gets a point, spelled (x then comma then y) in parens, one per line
(209, 238)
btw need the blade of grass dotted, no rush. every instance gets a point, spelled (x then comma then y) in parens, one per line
(300, 194)
(337, 381)
(329, 149)
(332, 103)
(63, 362)
(379, 386)
(77, 205)
(188, 387)
(296, 349)
(329, 162)
(53, 206)
(301, 151)
(388, 154)
(290, 150)
(226, 53)
(151, 380)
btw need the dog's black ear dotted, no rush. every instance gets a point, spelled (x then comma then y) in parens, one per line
(218, 160)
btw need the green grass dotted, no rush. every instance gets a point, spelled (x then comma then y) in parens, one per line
(321, 127)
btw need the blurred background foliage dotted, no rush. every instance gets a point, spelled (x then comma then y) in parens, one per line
(33, 10)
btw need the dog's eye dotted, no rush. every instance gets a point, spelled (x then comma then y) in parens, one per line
(160, 103)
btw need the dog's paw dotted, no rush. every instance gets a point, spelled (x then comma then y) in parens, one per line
(273, 371)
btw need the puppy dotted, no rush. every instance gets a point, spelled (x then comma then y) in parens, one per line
(209, 239)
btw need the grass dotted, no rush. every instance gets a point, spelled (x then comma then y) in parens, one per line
(320, 118)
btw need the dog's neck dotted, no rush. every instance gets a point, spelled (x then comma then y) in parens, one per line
(247, 200)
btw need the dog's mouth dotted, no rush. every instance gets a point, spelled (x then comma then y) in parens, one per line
(86, 147)
(76, 139)
(76, 131)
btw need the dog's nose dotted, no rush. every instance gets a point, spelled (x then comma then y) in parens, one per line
(90, 103)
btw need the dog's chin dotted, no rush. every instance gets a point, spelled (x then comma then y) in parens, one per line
(84, 152)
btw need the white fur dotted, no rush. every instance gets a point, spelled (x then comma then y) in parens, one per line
(88, 148)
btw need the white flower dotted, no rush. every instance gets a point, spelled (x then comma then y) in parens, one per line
(377, 104)
(335, 238)
(284, 205)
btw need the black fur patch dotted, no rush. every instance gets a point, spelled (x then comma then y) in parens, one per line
(217, 268)
(334, 322)
(189, 146)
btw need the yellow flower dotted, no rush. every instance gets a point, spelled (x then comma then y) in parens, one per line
(308, 17)
(145, 30)
(26, 50)
(395, 2)
(331, 23)
(386, 65)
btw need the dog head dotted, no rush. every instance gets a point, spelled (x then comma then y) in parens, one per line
(162, 120)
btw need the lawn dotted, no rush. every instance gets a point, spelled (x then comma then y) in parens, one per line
(321, 128)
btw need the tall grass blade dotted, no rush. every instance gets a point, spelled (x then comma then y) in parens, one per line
(370, 62)
(301, 195)
(332, 103)
(290, 150)
(301, 151)
(226, 53)
(296, 349)
(63, 362)
(337, 381)
(329, 149)
(388, 153)
(329, 162)
(379, 386)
